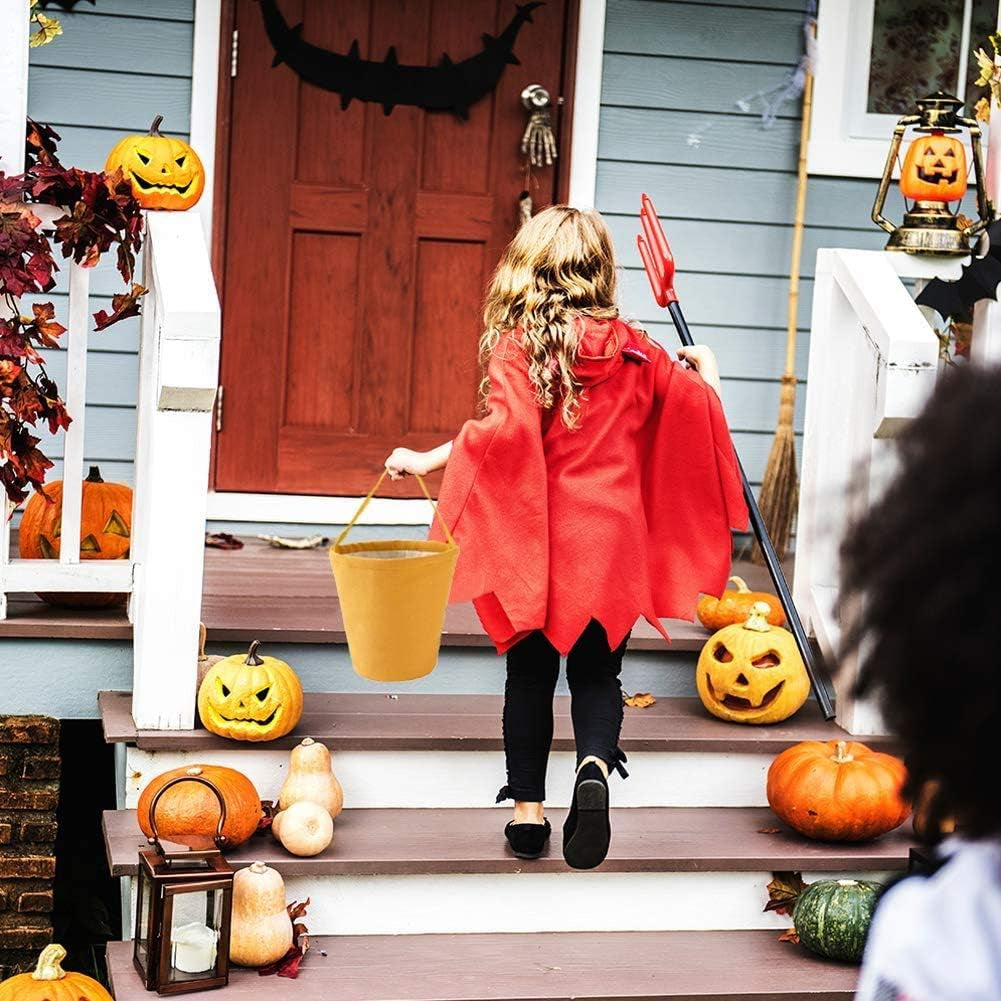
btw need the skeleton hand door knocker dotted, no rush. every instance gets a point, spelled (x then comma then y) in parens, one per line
(538, 142)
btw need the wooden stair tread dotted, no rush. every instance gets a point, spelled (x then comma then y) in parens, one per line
(383, 842)
(378, 721)
(679, 965)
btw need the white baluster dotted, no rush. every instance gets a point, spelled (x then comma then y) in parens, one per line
(6, 509)
(76, 405)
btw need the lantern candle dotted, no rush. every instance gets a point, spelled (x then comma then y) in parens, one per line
(194, 948)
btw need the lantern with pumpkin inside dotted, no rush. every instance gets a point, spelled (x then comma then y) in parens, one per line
(752, 672)
(165, 172)
(105, 531)
(934, 169)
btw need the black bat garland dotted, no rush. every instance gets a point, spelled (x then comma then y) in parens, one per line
(449, 86)
(979, 280)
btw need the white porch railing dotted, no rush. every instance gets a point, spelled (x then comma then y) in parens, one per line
(873, 363)
(178, 373)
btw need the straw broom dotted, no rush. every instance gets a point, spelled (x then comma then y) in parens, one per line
(780, 488)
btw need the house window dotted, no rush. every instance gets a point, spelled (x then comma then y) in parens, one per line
(875, 58)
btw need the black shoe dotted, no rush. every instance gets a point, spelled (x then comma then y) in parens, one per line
(528, 840)
(587, 831)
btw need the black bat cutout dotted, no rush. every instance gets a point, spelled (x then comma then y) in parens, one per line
(979, 280)
(449, 86)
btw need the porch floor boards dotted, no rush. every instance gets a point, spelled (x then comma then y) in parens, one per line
(394, 842)
(679, 965)
(259, 592)
(379, 722)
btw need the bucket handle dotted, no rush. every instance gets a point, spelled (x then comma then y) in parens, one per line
(378, 483)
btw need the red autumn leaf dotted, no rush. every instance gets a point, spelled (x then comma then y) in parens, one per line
(789, 935)
(783, 891)
(124, 305)
(288, 965)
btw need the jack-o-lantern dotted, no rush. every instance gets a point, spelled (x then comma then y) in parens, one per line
(250, 698)
(752, 672)
(934, 169)
(166, 173)
(105, 531)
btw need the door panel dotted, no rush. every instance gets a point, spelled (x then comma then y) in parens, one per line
(359, 244)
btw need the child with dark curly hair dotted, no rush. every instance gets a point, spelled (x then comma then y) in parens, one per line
(923, 561)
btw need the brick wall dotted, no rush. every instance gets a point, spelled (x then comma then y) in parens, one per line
(29, 795)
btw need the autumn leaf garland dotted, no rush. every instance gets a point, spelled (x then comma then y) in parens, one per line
(101, 213)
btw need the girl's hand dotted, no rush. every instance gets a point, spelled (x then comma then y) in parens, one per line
(406, 460)
(701, 358)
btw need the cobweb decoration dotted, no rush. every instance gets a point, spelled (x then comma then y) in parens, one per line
(772, 99)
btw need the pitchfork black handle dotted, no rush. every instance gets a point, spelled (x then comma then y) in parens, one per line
(771, 557)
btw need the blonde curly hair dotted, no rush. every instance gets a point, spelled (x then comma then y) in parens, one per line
(560, 264)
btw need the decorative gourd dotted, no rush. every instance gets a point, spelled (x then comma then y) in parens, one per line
(261, 930)
(105, 531)
(311, 778)
(752, 673)
(304, 829)
(832, 917)
(204, 661)
(165, 172)
(837, 790)
(934, 169)
(190, 810)
(250, 698)
(50, 982)
(734, 606)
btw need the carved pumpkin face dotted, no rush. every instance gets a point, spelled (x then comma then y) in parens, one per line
(934, 169)
(105, 521)
(250, 698)
(165, 172)
(752, 672)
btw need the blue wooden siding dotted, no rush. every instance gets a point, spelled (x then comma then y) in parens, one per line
(115, 67)
(670, 126)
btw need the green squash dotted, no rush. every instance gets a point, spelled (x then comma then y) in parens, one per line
(832, 917)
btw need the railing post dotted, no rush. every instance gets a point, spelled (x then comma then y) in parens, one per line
(178, 373)
(13, 84)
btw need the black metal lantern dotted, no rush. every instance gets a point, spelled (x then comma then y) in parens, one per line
(184, 907)
(933, 175)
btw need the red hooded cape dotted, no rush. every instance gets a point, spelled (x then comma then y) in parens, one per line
(627, 516)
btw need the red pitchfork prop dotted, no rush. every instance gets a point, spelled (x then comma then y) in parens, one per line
(659, 264)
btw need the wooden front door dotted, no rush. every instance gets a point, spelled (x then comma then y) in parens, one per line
(358, 244)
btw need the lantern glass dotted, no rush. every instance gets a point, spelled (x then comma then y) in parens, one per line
(195, 921)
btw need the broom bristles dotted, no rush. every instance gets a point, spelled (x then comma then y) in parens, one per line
(780, 487)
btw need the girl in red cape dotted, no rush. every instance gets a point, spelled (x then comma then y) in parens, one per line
(599, 486)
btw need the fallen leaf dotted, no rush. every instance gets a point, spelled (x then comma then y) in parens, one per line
(789, 935)
(783, 891)
(769, 830)
(222, 540)
(641, 700)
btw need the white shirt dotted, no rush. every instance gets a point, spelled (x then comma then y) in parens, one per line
(939, 938)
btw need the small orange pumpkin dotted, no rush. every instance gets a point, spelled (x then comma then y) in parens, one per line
(734, 606)
(50, 982)
(934, 169)
(165, 172)
(190, 810)
(837, 790)
(105, 531)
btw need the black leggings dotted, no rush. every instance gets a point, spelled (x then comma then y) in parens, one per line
(533, 666)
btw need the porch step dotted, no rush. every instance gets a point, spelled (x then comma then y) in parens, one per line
(415, 841)
(387, 722)
(673, 966)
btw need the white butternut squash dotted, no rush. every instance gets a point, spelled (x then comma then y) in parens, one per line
(261, 928)
(304, 829)
(311, 779)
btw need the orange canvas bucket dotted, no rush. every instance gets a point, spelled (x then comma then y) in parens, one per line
(393, 594)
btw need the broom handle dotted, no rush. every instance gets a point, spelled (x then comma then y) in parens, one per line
(792, 316)
(771, 558)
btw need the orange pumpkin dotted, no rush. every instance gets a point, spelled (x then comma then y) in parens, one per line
(165, 172)
(838, 790)
(734, 606)
(105, 531)
(934, 169)
(50, 982)
(190, 810)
